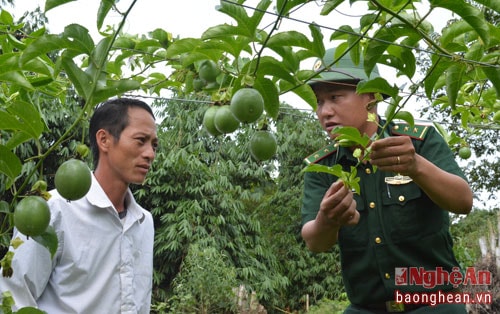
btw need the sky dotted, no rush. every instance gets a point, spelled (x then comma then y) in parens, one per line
(189, 18)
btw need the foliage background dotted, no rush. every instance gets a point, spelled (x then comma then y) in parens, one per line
(211, 201)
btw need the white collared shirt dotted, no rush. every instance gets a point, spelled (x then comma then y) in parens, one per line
(101, 266)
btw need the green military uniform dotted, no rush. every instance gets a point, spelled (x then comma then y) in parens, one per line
(399, 225)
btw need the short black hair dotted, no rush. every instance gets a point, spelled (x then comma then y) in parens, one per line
(112, 116)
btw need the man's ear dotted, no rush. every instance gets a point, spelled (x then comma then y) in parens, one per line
(372, 101)
(103, 139)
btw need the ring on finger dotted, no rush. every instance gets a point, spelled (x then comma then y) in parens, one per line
(399, 160)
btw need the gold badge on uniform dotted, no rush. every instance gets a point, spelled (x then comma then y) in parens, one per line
(398, 180)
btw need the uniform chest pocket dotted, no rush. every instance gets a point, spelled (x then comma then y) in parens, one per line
(401, 206)
(356, 236)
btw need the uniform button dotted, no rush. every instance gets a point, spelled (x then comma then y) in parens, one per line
(401, 198)
(387, 276)
(372, 205)
(378, 240)
(368, 171)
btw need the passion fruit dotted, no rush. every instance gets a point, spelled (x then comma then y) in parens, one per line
(247, 105)
(263, 145)
(208, 121)
(32, 216)
(225, 121)
(73, 179)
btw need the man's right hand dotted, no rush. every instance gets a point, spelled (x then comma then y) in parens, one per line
(338, 208)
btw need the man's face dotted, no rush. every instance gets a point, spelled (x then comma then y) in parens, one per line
(340, 105)
(131, 156)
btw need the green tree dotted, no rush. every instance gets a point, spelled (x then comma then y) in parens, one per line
(200, 190)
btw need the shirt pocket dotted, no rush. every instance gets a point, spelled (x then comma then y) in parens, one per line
(400, 210)
(356, 236)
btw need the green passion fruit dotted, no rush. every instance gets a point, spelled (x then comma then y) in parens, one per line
(208, 121)
(263, 145)
(208, 71)
(247, 105)
(73, 179)
(32, 216)
(225, 121)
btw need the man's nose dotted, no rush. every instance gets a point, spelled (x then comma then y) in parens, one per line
(326, 109)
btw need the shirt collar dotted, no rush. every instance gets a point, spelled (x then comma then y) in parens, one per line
(97, 197)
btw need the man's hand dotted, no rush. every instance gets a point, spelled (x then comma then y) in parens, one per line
(394, 154)
(338, 206)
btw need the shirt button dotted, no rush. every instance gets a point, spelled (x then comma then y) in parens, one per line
(372, 205)
(401, 198)
(387, 276)
(378, 240)
(368, 171)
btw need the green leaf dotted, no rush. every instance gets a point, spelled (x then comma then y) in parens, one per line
(182, 46)
(114, 88)
(352, 135)
(289, 38)
(272, 67)
(81, 80)
(317, 45)
(329, 6)
(16, 77)
(4, 207)
(405, 116)
(304, 91)
(43, 45)
(247, 26)
(492, 72)
(97, 62)
(103, 11)
(8, 121)
(335, 170)
(29, 117)
(50, 4)
(80, 38)
(10, 165)
(6, 17)
(40, 66)
(378, 85)
(49, 240)
(442, 131)
(472, 15)
(222, 31)
(454, 76)
(16, 139)
(438, 68)
(402, 59)
(453, 31)
(390, 110)
(270, 94)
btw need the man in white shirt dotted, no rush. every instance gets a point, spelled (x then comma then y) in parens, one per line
(104, 260)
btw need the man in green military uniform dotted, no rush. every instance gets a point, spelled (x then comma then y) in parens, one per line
(399, 223)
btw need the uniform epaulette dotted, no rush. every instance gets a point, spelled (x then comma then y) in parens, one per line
(320, 154)
(417, 131)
